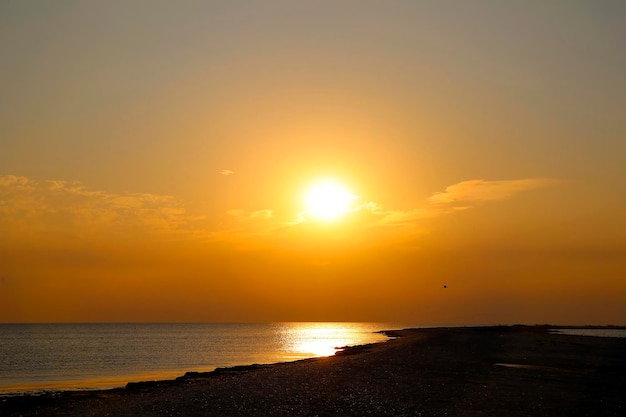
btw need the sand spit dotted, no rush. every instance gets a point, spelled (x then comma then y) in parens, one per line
(478, 371)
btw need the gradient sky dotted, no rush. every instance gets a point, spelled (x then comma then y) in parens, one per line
(154, 156)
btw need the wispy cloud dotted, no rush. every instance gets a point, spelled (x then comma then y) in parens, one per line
(69, 209)
(400, 218)
(13, 183)
(226, 172)
(474, 191)
(247, 216)
(252, 230)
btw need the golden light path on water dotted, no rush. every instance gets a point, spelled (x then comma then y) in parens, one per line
(302, 340)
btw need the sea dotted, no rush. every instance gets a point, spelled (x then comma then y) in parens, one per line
(599, 332)
(50, 357)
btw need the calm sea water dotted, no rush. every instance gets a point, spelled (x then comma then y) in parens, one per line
(593, 332)
(37, 357)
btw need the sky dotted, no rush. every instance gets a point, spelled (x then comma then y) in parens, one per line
(155, 158)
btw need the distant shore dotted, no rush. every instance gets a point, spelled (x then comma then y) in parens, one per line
(455, 371)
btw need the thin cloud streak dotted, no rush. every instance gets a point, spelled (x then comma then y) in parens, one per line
(474, 191)
(67, 208)
(469, 193)
(247, 216)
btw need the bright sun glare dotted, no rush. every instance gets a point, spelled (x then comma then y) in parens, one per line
(327, 200)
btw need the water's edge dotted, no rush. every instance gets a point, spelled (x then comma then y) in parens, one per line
(60, 357)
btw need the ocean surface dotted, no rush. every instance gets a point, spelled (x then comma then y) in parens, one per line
(608, 332)
(38, 357)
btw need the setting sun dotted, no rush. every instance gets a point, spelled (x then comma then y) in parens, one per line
(327, 200)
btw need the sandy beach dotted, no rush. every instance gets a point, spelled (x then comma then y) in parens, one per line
(481, 371)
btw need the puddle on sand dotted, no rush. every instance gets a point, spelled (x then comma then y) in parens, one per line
(521, 366)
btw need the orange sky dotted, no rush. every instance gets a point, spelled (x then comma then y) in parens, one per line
(154, 158)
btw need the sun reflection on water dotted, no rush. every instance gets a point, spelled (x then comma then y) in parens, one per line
(302, 340)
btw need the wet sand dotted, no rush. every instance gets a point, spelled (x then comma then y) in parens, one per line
(482, 371)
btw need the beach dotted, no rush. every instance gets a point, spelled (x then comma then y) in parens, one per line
(465, 371)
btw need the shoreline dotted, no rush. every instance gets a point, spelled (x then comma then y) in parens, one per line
(492, 370)
(109, 382)
(80, 356)
(123, 382)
